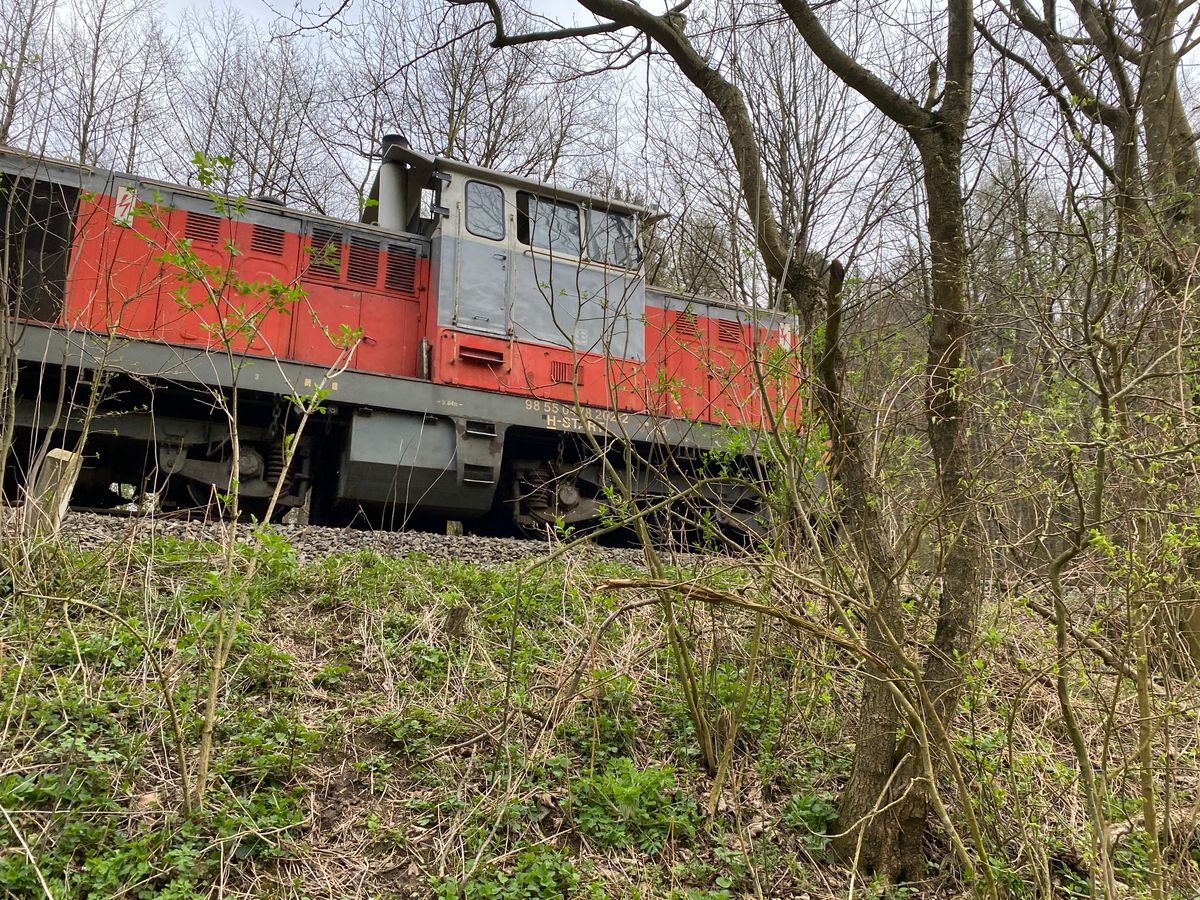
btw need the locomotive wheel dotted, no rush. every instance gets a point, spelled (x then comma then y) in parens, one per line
(544, 498)
(204, 500)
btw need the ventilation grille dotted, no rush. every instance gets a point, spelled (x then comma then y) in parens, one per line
(480, 429)
(364, 262)
(326, 254)
(564, 373)
(266, 239)
(478, 475)
(729, 332)
(201, 227)
(402, 270)
(686, 324)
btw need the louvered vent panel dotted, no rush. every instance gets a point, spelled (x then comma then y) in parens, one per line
(326, 254)
(729, 332)
(685, 323)
(266, 239)
(564, 373)
(402, 270)
(478, 475)
(364, 262)
(201, 227)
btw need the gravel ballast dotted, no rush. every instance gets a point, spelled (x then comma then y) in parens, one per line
(97, 531)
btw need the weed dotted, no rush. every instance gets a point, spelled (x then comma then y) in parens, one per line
(811, 815)
(332, 675)
(265, 670)
(623, 807)
(88, 848)
(414, 732)
(257, 749)
(606, 727)
(535, 875)
(377, 768)
(427, 661)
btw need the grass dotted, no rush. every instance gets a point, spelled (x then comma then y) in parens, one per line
(399, 727)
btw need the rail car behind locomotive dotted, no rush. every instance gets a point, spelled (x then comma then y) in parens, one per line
(485, 342)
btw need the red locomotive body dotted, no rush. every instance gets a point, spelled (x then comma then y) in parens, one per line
(485, 342)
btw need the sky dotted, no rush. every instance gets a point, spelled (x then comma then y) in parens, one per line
(565, 12)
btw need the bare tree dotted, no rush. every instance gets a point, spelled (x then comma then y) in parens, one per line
(887, 800)
(24, 39)
(428, 70)
(109, 61)
(254, 101)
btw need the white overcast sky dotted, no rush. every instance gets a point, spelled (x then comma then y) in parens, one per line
(565, 12)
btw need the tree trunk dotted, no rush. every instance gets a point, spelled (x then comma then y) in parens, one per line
(960, 534)
(1172, 163)
(867, 832)
(887, 775)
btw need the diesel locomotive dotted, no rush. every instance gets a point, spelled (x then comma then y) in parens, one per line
(485, 346)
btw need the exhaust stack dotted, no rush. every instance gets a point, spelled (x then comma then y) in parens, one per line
(393, 199)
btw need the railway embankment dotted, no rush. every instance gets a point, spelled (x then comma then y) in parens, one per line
(304, 713)
(113, 533)
(400, 714)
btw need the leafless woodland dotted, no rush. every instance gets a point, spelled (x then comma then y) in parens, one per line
(984, 214)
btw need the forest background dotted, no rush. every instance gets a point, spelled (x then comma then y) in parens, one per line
(985, 219)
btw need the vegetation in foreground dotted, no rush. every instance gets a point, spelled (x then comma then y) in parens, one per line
(385, 731)
(411, 728)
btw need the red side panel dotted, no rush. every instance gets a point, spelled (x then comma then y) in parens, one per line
(657, 387)
(189, 314)
(736, 395)
(268, 257)
(554, 373)
(392, 319)
(391, 335)
(536, 371)
(781, 365)
(627, 385)
(205, 308)
(472, 360)
(704, 369)
(322, 320)
(361, 286)
(678, 380)
(113, 282)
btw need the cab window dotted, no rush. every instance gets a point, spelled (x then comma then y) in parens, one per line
(485, 210)
(550, 224)
(612, 239)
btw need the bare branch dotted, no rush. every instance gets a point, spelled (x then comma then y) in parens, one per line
(884, 97)
(1051, 91)
(504, 39)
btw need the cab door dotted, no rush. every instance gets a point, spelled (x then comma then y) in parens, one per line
(482, 263)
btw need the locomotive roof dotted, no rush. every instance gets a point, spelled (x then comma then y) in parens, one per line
(31, 165)
(427, 162)
(20, 162)
(418, 161)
